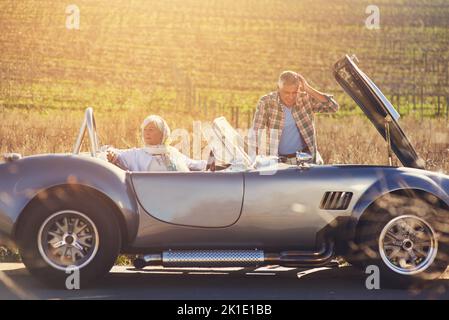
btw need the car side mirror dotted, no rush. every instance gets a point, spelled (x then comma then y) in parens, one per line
(303, 157)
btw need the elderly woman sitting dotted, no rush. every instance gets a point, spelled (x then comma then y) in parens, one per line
(156, 155)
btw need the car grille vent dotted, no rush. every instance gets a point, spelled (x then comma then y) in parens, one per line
(336, 200)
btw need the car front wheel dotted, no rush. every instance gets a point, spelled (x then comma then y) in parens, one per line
(69, 232)
(407, 239)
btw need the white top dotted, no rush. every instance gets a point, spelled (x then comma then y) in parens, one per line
(137, 159)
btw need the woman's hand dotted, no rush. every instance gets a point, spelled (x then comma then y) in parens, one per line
(112, 156)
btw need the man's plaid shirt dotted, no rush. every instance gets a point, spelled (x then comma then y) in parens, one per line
(269, 119)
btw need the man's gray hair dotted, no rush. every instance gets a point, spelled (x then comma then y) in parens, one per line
(288, 78)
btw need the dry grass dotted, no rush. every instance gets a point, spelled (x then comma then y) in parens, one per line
(349, 139)
(354, 139)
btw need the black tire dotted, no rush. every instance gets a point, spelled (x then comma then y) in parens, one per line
(375, 245)
(101, 254)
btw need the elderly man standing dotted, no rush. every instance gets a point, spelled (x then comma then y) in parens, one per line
(286, 116)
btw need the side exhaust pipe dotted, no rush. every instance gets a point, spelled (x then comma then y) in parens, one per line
(202, 258)
(147, 260)
(232, 258)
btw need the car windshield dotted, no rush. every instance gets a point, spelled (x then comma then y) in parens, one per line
(227, 144)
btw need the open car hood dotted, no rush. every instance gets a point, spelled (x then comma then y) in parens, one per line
(377, 108)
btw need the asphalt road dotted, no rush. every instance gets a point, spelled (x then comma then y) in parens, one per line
(219, 283)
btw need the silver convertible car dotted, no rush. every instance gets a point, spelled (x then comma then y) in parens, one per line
(78, 210)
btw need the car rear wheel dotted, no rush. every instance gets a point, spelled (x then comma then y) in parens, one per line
(407, 239)
(68, 232)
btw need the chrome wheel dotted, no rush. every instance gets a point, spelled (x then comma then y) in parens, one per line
(68, 238)
(408, 245)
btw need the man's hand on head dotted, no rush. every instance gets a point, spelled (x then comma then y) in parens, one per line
(303, 85)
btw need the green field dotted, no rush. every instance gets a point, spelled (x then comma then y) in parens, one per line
(199, 55)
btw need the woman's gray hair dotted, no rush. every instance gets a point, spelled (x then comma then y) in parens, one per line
(160, 123)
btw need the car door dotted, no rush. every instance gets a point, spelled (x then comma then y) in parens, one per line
(286, 207)
(198, 199)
